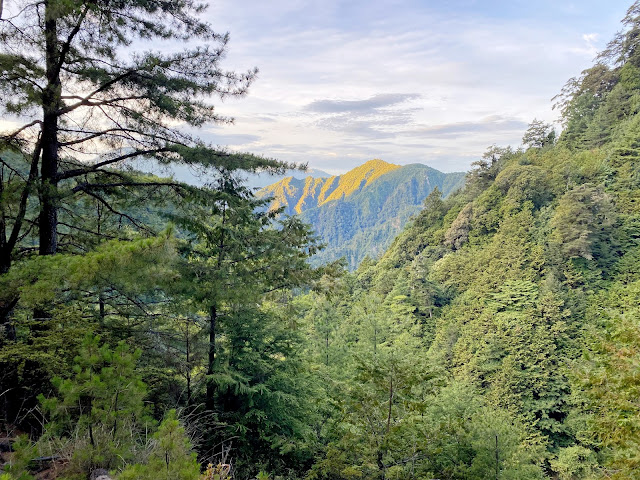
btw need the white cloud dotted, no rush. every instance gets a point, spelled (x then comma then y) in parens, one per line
(339, 86)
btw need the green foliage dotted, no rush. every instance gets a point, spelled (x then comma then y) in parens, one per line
(523, 288)
(458, 233)
(24, 452)
(608, 376)
(497, 337)
(100, 409)
(581, 220)
(381, 397)
(575, 462)
(539, 135)
(237, 264)
(170, 456)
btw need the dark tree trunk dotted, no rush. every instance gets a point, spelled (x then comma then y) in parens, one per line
(51, 101)
(6, 309)
(188, 366)
(381, 466)
(5, 260)
(211, 386)
(6, 306)
(213, 320)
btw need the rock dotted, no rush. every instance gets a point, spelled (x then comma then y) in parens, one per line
(100, 474)
(5, 445)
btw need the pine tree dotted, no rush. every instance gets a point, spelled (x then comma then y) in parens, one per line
(100, 407)
(170, 457)
(69, 67)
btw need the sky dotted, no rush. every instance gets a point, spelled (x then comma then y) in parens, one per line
(407, 81)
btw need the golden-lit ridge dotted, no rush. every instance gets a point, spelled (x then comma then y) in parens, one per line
(318, 191)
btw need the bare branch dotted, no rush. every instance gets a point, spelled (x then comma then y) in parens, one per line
(67, 45)
(101, 88)
(13, 135)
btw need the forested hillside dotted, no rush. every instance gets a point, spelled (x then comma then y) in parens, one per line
(150, 329)
(359, 213)
(498, 336)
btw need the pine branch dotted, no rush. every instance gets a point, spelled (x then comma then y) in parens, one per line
(93, 168)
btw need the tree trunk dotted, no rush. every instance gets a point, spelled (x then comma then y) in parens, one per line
(6, 310)
(51, 102)
(211, 386)
(188, 366)
(381, 466)
(6, 306)
(5, 260)
(213, 319)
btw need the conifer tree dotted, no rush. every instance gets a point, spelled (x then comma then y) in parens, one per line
(93, 102)
(100, 407)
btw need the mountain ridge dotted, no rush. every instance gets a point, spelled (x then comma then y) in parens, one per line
(358, 214)
(295, 193)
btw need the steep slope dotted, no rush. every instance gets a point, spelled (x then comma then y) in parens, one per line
(527, 282)
(518, 295)
(298, 194)
(260, 180)
(358, 213)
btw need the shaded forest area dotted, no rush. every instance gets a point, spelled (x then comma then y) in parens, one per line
(163, 331)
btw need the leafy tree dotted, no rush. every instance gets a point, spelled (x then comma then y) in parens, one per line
(539, 134)
(18, 467)
(623, 48)
(122, 274)
(236, 261)
(485, 170)
(581, 96)
(608, 377)
(581, 220)
(458, 233)
(576, 461)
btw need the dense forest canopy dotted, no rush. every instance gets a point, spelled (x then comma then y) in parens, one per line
(155, 330)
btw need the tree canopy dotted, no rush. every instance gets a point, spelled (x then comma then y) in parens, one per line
(153, 329)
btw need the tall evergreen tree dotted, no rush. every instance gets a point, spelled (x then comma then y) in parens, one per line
(93, 101)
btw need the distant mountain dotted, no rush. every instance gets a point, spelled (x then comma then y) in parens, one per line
(359, 213)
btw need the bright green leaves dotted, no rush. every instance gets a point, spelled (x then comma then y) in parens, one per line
(609, 377)
(539, 135)
(21, 461)
(126, 265)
